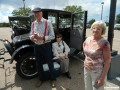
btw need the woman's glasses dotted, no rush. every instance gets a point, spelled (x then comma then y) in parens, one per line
(58, 37)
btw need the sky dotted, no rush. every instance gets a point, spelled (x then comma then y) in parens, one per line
(94, 7)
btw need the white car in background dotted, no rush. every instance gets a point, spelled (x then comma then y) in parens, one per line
(117, 26)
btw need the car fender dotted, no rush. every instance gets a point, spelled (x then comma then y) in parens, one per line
(8, 46)
(18, 51)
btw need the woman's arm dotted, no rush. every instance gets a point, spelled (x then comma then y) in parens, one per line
(67, 49)
(54, 49)
(106, 56)
(107, 59)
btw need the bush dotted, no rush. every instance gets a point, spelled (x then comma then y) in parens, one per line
(4, 24)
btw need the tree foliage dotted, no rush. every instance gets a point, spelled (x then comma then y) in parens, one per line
(91, 21)
(4, 24)
(118, 18)
(21, 12)
(73, 8)
(76, 9)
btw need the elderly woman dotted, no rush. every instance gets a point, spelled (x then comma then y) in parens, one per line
(97, 57)
(60, 53)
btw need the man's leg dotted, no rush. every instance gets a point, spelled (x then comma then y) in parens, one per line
(38, 56)
(48, 57)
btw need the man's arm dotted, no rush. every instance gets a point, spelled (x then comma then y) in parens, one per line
(31, 35)
(50, 35)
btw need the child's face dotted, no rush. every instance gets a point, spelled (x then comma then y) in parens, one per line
(58, 38)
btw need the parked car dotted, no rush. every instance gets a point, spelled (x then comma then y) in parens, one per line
(117, 26)
(21, 48)
(20, 25)
(88, 26)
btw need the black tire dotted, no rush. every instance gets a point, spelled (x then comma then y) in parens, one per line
(26, 66)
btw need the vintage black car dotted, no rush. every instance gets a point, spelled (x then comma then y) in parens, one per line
(71, 25)
(20, 25)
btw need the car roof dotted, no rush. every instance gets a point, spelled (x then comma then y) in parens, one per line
(61, 12)
(56, 10)
(11, 18)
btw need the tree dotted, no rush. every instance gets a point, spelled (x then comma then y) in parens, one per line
(118, 18)
(73, 8)
(4, 24)
(91, 21)
(76, 9)
(21, 11)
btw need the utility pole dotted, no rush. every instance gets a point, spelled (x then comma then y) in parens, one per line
(111, 22)
(24, 4)
(102, 3)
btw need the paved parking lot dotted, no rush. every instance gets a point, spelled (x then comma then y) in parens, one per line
(9, 80)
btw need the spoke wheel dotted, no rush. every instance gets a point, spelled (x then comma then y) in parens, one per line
(26, 66)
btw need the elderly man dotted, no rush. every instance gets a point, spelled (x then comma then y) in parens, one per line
(41, 34)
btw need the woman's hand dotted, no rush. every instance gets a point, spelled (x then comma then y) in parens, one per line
(100, 82)
(62, 57)
(66, 56)
(89, 65)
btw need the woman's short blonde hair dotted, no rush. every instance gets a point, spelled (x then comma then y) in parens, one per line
(100, 24)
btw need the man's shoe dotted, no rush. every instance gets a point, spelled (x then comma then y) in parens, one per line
(68, 75)
(39, 83)
(53, 83)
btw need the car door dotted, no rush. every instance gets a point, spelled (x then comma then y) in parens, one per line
(77, 30)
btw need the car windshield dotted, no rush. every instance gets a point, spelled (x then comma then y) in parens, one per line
(21, 22)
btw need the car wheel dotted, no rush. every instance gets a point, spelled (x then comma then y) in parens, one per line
(26, 66)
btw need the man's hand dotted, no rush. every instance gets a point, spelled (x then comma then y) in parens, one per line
(38, 37)
(33, 39)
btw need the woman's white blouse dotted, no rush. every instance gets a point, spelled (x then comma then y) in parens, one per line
(57, 49)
